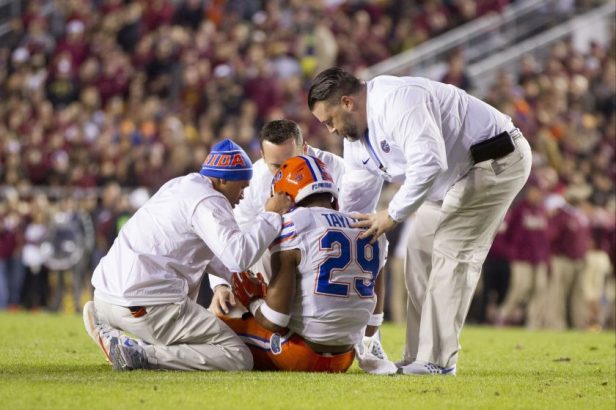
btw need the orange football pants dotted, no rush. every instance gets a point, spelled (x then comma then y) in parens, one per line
(289, 352)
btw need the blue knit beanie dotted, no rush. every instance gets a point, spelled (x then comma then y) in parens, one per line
(227, 160)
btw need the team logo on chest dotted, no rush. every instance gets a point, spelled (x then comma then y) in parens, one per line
(385, 146)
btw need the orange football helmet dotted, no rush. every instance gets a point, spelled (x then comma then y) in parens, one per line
(302, 176)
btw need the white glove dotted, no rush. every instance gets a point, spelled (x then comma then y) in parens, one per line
(372, 358)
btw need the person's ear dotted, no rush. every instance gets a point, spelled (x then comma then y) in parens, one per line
(216, 182)
(347, 102)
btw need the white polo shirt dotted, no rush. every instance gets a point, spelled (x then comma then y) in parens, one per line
(419, 135)
(186, 228)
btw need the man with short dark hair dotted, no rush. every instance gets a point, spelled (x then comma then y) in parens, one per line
(461, 157)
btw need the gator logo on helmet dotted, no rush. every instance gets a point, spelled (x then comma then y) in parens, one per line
(277, 177)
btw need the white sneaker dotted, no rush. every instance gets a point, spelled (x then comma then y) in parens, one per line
(419, 367)
(374, 347)
(98, 332)
(127, 354)
(372, 358)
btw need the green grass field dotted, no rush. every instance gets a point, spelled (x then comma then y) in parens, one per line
(48, 362)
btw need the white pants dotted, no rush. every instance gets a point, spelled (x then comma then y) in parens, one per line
(447, 248)
(181, 336)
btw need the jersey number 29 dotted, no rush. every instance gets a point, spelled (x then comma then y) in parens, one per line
(358, 252)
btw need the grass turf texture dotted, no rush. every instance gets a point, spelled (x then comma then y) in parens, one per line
(48, 361)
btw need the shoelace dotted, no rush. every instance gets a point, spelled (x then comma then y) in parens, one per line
(135, 352)
(377, 350)
(127, 356)
(434, 369)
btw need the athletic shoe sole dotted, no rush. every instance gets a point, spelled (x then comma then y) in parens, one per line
(428, 370)
(90, 322)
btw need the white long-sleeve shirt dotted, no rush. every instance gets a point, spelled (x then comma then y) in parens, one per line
(419, 135)
(260, 189)
(187, 227)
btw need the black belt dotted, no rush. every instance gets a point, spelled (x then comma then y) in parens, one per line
(494, 148)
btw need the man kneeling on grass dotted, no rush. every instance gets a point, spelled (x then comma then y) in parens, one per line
(326, 287)
(148, 281)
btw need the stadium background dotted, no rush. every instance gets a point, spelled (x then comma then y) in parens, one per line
(103, 101)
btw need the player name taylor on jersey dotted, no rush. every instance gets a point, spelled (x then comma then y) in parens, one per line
(338, 220)
(336, 275)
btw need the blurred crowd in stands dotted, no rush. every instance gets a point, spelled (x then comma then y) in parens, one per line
(103, 101)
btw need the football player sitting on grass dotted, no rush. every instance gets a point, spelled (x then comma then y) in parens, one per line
(326, 291)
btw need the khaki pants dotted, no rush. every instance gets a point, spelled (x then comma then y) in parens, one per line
(608, 316)
(567, 294)
(396, 295)
(417, 264)
(181, 336)
(598, 268)
(528, 286)
(442, 273)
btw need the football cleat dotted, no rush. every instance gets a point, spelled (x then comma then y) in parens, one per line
(419, 367)
(372, 358)
(101, 334)
(127, 354)
(374, 347)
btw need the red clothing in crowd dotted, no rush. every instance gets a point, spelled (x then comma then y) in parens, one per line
(8, 243)
(77, 49)
(570, 233)
(528, 233)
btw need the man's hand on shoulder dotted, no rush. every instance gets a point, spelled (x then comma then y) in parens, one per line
(376, 224)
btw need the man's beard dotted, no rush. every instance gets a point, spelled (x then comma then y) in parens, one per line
(351, 132)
